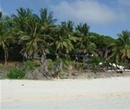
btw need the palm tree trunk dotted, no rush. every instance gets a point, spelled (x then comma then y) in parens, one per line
(6, 56)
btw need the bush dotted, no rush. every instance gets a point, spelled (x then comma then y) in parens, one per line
(50, 64)
(29, 65)
(95, 60)
(16, 74)
(94, 64)
(79, 66)
(68, 62)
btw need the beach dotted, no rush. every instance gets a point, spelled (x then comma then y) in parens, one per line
(101, 93)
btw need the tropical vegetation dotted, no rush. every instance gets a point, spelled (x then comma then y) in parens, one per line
(29, 36)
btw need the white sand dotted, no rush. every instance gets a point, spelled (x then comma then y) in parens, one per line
(27, 94)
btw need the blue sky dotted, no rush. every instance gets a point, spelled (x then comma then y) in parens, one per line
(107, 17)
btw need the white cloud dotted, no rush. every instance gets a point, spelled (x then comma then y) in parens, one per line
(90, 11)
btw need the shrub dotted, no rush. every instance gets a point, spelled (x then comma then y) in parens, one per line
(79, 66)
(95, 60)
(50, 64)
(29, 65)
(16, 74)
(68, 64)
(59, 64)
(94, 64)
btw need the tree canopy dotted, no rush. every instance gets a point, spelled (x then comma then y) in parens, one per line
(33, 34)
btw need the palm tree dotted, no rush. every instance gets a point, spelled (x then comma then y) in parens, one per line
(47, 21)
(33, 30)
(85, 44)
(32, 39)
(21, 27)
(63, 38)
(122, 48)
(47, 26)
(5, 38)
(104, 45)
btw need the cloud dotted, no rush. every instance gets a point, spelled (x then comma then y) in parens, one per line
(90, 11)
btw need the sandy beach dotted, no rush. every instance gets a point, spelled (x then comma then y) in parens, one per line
(103, 93)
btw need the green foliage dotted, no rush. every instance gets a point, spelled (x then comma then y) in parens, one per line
(59, 63)
(16, 74)
(79, 66)
(50, 64)
(29, 65)
(32, 33)
(58, 60)
(68, 62)
(95, 60)
(94, 63)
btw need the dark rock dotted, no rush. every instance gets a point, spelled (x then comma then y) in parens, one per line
(119, 71)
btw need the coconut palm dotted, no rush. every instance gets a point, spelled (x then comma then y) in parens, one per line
(122, 48)
(31, 39)
(104, 45)
(46, 21)
(5, 38)
(84, 45)
(63, 38)
(22, 27)
(29, 30)
(47, 26)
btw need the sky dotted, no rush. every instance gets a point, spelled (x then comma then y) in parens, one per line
(106, 17)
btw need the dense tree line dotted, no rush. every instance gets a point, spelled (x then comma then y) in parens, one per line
(26, 34)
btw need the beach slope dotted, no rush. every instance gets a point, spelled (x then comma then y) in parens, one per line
(105, 93)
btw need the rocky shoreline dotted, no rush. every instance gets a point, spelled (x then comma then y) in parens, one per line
(72, 75)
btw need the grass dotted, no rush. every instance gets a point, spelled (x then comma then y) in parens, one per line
(6, 68)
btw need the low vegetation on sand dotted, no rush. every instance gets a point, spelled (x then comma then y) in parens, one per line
(59, 69)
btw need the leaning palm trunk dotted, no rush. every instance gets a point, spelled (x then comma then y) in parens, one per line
(6, 56)
(44, 62)
(43, 57)
(44, 66)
